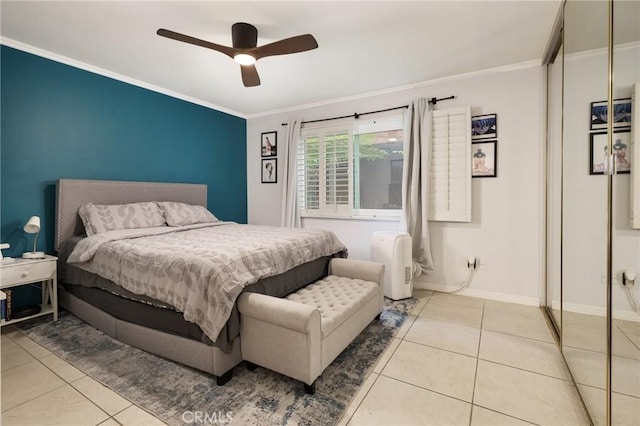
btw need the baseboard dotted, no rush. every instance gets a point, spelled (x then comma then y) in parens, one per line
(597, 311)
(483, 294)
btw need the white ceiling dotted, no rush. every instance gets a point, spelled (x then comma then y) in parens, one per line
(363, 46)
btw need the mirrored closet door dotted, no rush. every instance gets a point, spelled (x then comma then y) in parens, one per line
(625, 335)
(585, 206)
(593, 247)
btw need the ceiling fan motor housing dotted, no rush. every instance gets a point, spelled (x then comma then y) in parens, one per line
(244, 36)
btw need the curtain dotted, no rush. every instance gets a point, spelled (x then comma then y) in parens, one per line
(290, 216)
(415, 183)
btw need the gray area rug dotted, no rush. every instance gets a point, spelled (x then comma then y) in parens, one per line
(260, 397)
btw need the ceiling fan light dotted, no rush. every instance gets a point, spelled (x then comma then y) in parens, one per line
(244, 59)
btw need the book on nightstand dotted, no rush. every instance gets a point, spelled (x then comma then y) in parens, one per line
(3, 305)
(7, 313)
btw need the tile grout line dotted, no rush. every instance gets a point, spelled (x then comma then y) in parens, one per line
(628, 338)
(425, 389)
(552, 342)
(35, 397)
(95, 403)
(507, 415)
(363, 398)
(598, 352)
(442, 349)
(475, 377)
(522, 337)
(36, 360)
(106, 420)
(390, 356)
(602, 389)
(526, 371)
(68, 382)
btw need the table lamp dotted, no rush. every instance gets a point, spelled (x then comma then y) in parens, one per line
(33, 227)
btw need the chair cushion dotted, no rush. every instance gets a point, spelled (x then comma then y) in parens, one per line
(337, 299)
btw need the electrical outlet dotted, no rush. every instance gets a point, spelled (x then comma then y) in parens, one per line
(483, 264)
(628, 278)
(472, 262)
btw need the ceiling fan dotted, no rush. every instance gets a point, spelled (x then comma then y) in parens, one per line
(245, 50)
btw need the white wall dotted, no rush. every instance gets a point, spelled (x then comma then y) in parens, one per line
(585, 196)
(507, 227)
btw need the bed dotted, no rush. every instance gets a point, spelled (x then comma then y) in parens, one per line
(153, 322)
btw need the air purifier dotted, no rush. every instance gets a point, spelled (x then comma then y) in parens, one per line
(394, 250)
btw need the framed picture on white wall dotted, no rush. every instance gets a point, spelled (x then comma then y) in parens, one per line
(484, 127)
(621, 114)
(269, 170)
(598, 152)
(484, 159)
(269, 144)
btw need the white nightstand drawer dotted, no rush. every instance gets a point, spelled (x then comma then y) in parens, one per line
(25, 273)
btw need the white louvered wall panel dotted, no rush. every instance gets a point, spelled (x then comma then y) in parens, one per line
(450, 180)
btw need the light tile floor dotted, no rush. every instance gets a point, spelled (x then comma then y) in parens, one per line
(456, 361)
(585, 351)
(38, 388)
(459, 360)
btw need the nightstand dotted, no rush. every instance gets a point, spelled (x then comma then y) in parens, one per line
(28, 271)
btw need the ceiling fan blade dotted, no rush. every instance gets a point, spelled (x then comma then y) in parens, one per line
(296, 44)
(229, 51)
(250, 75)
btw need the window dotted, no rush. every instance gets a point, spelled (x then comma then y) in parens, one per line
(378, 160)
(353, 169)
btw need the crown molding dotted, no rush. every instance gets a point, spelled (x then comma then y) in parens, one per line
(601, 50)
(507, 68)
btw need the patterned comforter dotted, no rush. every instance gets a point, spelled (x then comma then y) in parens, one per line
(200, 269)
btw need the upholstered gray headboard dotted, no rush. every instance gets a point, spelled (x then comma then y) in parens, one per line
(72, 193)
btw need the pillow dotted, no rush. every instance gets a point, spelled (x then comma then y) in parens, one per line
(181, 214)
(102, 218)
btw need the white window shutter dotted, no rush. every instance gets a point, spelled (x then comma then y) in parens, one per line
(309, 173)
(450, 180)
(338, 191)
(325, 170)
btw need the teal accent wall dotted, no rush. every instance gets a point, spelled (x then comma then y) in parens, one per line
(58, 121)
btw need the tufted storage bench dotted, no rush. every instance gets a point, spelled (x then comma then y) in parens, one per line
(300, 335)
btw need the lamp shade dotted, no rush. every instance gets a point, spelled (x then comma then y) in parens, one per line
(33, 225)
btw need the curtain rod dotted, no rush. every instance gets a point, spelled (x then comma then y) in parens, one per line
(357, 115)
